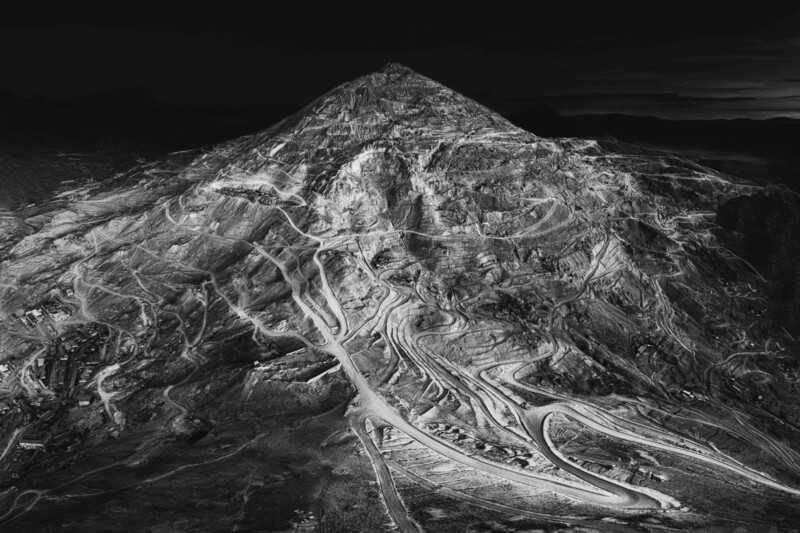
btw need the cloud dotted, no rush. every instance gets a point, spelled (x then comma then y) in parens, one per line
(650, 97)
(775, 44)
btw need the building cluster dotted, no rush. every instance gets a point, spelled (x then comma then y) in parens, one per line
(31, 425)
(70, 361)
(65, 366)
(53, 310)
(254, 195)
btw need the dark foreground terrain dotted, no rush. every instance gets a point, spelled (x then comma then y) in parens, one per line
(396, 310)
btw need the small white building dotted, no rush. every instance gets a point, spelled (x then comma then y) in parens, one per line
(85, 399)
(35, 441)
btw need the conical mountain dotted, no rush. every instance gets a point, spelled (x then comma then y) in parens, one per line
(396, 283)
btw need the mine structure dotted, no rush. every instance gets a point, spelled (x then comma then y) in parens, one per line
(59, 375)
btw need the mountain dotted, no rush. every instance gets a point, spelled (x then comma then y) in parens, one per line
(128, 120)
(761, 150)
(770, 136)
(396, 310)
(547, 122)
(129, 97)
(7, 98)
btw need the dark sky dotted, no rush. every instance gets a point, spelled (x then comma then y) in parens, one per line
(656, 59)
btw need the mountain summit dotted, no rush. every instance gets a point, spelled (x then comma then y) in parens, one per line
(394, 110)
(395, 284)
(397, 96)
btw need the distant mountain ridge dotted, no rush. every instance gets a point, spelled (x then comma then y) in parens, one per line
(133, 113)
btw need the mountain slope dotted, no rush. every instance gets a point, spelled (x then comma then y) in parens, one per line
(397, 281)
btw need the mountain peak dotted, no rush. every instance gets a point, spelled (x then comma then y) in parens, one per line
(394, 104)
(393, 109)
(394, 74)
(396, 68)
(393, 80)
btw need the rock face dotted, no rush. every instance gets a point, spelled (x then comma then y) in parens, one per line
(508, 332)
